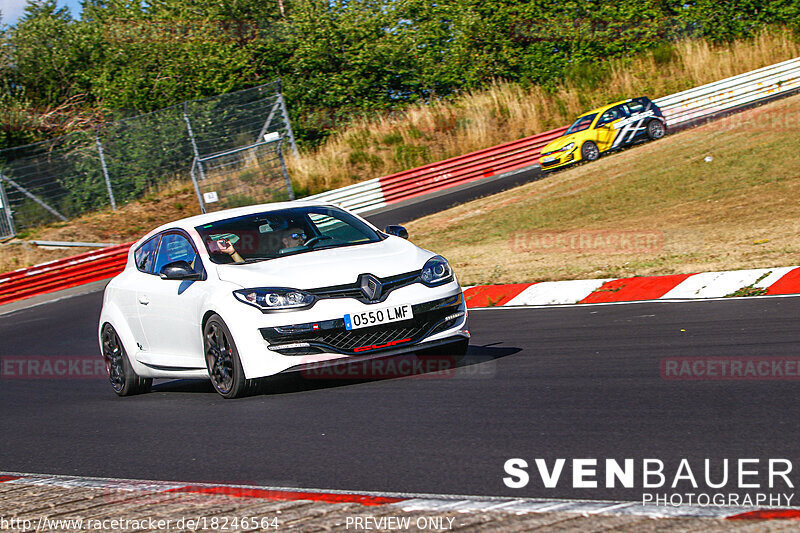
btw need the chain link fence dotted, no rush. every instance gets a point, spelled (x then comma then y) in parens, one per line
(62, 178)
(242, 176)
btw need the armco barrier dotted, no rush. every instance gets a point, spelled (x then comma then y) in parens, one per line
(63, 273)
(680, 109)
(730, 93)
(379, 192)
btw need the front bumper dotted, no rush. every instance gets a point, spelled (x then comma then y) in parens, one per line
(429, 318)
(549, 162)
(276, 342)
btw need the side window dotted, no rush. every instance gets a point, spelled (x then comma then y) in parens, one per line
(636, 106)
(144, 255)
(607, 117)
(611, 115)
(175, 247)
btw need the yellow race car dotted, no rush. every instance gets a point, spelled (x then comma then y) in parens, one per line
(603, 129)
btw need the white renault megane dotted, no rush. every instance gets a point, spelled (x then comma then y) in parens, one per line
(246, 293)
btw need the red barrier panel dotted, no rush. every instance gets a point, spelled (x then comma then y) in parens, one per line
(466, 168)
(48, 280)
(50, 265)
(63, 273)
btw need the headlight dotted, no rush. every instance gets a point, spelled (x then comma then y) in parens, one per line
(566, 148)
(269, 299)
(436, 271)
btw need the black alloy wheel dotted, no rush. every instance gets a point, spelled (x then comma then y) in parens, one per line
(223, 363)
(124, 380)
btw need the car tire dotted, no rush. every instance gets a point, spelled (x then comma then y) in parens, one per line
(655, 130)
(124, 380)
(589, 151)
(223, 363)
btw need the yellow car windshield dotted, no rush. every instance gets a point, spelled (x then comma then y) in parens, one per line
(581, 124)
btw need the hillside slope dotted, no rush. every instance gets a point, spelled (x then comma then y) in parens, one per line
(721, 196)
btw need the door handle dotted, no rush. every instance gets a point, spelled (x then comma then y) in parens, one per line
(144, 300)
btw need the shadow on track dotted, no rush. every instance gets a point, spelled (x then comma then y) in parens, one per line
(408, 366)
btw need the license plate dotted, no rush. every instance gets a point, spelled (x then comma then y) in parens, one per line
(375, 317)
(548, 159)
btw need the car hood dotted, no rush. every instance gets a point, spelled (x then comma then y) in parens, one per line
(326, 267)
(559, 143)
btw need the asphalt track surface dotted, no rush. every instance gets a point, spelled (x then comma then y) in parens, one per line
(570, 382)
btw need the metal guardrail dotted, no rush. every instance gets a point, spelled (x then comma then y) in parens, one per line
(684, 108)
(724, 95)
(379, 192)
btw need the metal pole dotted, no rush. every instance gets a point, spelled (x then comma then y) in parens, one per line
(196, 156)
(285, 172)
(105, 170)
(288, 124)
(7, 208)
(268, 121)
(36, 199)
(197, 188)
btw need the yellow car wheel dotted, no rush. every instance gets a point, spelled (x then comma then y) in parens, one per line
(589, 151)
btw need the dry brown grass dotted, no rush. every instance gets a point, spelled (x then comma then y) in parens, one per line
(737, 211)
(505, 111)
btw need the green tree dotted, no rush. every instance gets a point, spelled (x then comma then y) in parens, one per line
(44, 54)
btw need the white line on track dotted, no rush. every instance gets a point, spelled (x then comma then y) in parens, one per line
(671, 301)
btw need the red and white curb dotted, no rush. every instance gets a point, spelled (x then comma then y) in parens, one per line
(707, 285)
(408, 502)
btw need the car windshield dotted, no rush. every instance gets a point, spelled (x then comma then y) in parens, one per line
(581, 124)
(272, 234)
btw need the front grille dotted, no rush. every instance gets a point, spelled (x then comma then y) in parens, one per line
(551, 163)
(331, 335)
(353, 290)
(365, 339)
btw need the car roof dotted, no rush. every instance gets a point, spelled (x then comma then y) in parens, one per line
(190, 223)
(606, 107)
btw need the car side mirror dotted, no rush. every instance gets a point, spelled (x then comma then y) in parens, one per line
(397, 231)
(180, 270)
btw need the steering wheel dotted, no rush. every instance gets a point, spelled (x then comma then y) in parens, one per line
(318, 238)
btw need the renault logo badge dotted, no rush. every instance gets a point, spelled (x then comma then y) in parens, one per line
(371, 287)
